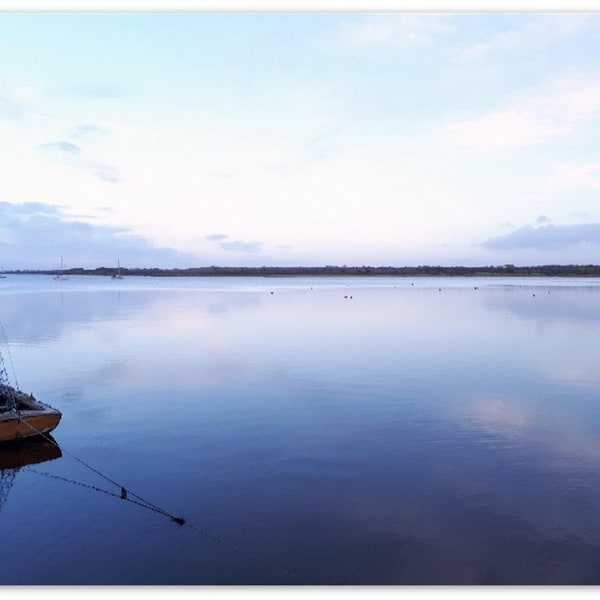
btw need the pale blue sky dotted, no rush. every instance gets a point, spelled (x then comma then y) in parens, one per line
(190, 139)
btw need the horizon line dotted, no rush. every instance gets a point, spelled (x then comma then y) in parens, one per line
(504, 266)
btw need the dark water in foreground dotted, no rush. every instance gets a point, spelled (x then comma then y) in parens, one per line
(426, 434)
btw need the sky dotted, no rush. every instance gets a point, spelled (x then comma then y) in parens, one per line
(186, 139)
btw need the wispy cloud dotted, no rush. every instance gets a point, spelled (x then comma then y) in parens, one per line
(62, 146)
(9, 109)
(100, 91)
(19, 100)
(532, 118)
(398, 30)
(235, 245)
(86, 130)
(238, 246)
(77, 159)
(535, 31)
(584, 176)
(105, 172)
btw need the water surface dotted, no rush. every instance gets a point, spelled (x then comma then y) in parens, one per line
(326, 430)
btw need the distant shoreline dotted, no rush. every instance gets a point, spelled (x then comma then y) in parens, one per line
(364, 271)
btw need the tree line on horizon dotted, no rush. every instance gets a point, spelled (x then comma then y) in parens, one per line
(590, 270)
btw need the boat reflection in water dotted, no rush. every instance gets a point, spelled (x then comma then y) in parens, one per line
(18, 454)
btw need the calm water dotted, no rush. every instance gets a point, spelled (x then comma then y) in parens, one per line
(418, 432)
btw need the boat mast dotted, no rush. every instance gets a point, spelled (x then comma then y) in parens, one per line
(7, 392)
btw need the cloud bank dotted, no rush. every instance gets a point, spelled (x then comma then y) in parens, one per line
(34, 235)
(546, 237)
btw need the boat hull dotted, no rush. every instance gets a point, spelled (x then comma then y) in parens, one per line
(32, 418)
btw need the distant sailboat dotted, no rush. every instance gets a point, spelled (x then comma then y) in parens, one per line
(61, 276)
(118, 275)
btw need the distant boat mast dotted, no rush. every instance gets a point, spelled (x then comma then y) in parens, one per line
(61, 276)
(118, 275)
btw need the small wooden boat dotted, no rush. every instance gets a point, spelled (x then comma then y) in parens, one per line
(22, 416)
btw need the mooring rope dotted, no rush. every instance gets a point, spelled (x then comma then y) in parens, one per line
(127, 495)
(122, 495)
(124, 490)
